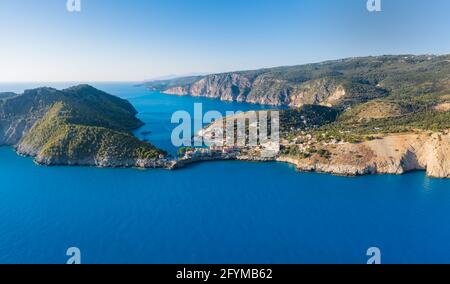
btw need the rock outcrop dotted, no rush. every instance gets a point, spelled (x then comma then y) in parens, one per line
(384, 154)
(264, 89)
(340, 83)
(393, 154)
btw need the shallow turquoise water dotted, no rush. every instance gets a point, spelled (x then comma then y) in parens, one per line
(219, 212)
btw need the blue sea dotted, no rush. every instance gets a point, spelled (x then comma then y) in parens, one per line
(217, 212)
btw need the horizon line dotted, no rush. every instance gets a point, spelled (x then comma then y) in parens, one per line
(218, 72)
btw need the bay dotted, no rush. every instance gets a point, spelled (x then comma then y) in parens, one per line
(217, 212)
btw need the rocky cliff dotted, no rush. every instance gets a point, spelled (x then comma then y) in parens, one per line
(264, 90)
(312, 143)
(339, 83)
(393, 154)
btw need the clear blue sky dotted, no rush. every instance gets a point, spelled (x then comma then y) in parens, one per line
(133, 40)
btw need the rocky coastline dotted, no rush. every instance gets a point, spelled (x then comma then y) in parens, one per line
(394, 154)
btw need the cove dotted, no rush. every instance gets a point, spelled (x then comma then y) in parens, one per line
(218, 212)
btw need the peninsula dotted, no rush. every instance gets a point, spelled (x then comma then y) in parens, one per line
(76, 126)
(355, 116)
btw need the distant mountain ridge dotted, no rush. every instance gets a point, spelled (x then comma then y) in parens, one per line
(355, 116)
(339, 83)
(5, 95)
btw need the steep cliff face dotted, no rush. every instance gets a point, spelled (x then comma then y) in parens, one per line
(393, 154)
(326, 92)
(12, 129)
(227, 87)
(19, 113)
(340, 83)
(264, 90)
(76, 126)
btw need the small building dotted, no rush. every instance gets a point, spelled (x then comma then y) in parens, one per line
(230, 149)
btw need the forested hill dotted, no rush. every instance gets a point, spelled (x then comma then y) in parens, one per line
(76, 126)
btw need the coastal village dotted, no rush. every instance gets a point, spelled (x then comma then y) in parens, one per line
(265, 152)
(303, 143)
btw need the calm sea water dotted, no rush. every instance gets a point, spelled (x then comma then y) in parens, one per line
(219, 212)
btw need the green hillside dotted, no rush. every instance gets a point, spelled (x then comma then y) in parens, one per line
(369, 95)
(76, 125)
(339, 83)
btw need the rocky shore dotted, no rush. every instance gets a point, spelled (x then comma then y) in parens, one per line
(393, 154)
(74, 127)
(110, 163)
(262, 90)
